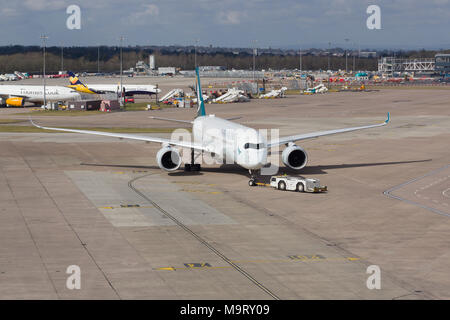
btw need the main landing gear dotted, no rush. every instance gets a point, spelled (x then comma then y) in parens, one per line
(188, 167)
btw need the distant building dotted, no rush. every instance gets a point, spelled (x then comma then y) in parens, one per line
(391, 65)
(212, 68)
(141, 67)
(167, 71)
(368, 54)
(442, 63)
(152, 62)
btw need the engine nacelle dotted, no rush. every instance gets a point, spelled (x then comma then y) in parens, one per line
(15, 102)
(294, 157)
(168, 159)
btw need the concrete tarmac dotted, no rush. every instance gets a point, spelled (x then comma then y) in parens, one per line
(137, 232)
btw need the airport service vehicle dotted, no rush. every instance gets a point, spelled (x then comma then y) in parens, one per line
(296, 184)
(317, 89)
(11, 77)
(17, 95)
(59, 75)
(172, 94)
(20, 75)
(232, 95)
(223, 140)
(274, 94)
(128, 89)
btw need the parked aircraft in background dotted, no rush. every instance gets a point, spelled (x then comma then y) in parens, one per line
(8, 77)
(18, 95)
(225, 140)
(129, 89)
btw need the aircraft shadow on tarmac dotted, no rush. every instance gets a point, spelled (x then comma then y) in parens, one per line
(235, 169)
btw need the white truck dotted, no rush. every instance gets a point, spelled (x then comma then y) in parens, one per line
(297, 184)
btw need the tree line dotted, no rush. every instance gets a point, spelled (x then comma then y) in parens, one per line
(107, 59)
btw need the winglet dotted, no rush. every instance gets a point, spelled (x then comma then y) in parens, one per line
(388, 118)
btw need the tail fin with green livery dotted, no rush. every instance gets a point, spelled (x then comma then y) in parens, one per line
(200, 103)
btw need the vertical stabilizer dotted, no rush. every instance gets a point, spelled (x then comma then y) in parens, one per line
(200, 103)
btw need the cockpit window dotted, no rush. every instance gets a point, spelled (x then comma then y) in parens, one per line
(254, 146)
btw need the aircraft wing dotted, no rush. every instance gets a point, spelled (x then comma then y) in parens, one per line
(305, 136)
(183, 144)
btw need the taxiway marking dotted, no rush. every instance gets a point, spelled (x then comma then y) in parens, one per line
(390, 195)
(417, 192)
(444, 193)
(293, 258)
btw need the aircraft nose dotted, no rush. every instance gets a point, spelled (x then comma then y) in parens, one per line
(257, 160)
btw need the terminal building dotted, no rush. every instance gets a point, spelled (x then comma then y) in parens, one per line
(390, 65)
(442, 63)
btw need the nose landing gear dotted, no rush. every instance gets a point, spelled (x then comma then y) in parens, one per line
(252, 182)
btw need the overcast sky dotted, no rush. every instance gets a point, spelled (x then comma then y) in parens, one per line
(231, 23)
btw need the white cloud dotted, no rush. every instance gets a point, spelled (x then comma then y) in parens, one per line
(151, 10)
(140, 17)
(231, 17)
(8, 12)
(41, 5)
(338, 8)
(441, 2)
(175, 21)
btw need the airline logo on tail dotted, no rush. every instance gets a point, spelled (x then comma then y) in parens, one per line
(200, 103)
(76, 84)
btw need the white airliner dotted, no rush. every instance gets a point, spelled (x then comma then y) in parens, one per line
(225, 140)
(17, 95)
(129, 89)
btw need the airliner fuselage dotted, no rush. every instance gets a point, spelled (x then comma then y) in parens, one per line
(231, 142)
(36, 93)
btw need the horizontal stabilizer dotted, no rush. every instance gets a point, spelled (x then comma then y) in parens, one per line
(234, 118)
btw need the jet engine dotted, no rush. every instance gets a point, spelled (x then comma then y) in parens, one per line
(15, 102)
(168, 159)
(294, 157)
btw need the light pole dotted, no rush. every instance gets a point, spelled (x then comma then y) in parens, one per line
(98, 59)
(329, 53)
(195, 53)
(254, 57)
(301, 62)
(62, 57)
(121, 71)
(346, 55)
(359, 54)
(44, 39)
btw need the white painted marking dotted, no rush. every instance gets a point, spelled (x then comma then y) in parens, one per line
(444, 193)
